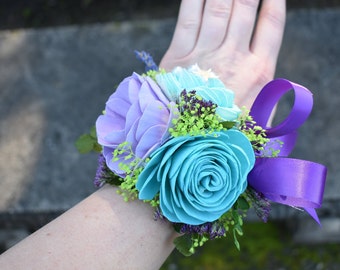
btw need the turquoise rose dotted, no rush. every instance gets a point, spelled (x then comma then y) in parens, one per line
(206, 84)
(198, 178)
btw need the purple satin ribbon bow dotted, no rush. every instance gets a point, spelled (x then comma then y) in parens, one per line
(289, 181)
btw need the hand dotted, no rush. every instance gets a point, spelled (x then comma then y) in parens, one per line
(228, 37)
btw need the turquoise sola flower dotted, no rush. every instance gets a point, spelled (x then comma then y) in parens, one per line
(198, 178)
(206, 85)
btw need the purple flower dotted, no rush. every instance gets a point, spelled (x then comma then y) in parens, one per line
(137, 114)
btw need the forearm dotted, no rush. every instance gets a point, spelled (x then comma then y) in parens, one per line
(101, 232)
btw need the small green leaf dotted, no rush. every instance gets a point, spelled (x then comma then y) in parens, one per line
(228, 124)
(114, 180)
(236, 242)
(238, 229)
(93, 132)
(242, 203)
(88, 142)
(97, 147)
(235, 215)
(177, 227)
(184, 244)
(85, 143)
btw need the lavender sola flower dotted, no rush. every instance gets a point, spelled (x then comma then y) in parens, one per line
(136, 121)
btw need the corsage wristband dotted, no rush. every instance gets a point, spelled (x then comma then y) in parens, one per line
(177, 141)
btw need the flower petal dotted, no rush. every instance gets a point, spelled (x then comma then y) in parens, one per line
(155, 113)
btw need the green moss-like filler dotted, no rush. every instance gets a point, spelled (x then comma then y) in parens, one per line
(272, 151)
(195, 236)
(131, 169)
(187, 244)
(233, 219)
(196, 116)
(154, 202)
(153, 73)
(255, 134)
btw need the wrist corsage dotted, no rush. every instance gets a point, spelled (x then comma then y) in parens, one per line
(177, 141)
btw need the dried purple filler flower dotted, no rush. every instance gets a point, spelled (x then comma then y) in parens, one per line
(260, 203)
(147, 59)
(98, 179)
(193, 103)
(213, 229)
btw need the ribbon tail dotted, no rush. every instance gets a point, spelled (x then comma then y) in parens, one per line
(294, 182)
(313, 214)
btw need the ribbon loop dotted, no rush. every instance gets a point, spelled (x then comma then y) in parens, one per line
(270, 96)
(294, 182)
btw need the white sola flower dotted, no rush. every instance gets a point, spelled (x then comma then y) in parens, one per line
(205, 74)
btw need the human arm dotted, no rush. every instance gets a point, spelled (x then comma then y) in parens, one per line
(101, 232)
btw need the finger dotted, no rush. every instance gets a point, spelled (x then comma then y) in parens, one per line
(214, 24)
(268, 34)
(187, 27)
(242, 23)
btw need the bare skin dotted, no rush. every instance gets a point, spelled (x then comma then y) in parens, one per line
(101, 232)
(222, 35)
(104, 232)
